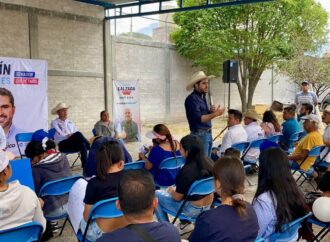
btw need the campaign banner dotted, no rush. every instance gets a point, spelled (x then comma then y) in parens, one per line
(23, 97)
(126, 109)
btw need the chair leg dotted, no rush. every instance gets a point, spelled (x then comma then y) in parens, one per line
(249, 182)
(78, 157)
(66, 219)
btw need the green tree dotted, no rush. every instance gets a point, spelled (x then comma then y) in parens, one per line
(306, 67)
(257, 35)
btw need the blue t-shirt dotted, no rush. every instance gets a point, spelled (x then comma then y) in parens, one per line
(162, 177)
(289, 127)
(224, 224)
(159, 231)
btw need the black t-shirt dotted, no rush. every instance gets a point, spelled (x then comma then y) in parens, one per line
(159, 231)
(98, 189)
(187, 176)
(325, 182)
(224, 224)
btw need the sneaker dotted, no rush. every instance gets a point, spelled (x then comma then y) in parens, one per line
(185, 228)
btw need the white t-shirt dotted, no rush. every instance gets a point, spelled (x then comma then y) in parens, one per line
(235, 134)
(254, 132)
(326, 136)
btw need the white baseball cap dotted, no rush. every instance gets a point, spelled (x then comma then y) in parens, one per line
(312, 117)
(4, 159)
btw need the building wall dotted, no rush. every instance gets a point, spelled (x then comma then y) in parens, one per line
(69, 35)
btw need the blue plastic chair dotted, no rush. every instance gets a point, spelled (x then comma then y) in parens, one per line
(173, 166)
(200, 187)
(242, 147)
(314, 152)
(275, 138)
(255, 144)
(21, 171)
(25, 233)
(57, 188)
(302, 134)
(134, 165)
(323, 232)
(289, 230)
(21, 140)
(102, 209)
(293, 139)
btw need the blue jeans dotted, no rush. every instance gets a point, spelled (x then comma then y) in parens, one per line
(165, 200)
(94, 232)
(207, 140)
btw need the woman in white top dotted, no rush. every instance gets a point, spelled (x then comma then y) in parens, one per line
(278, 200)
(19, 204)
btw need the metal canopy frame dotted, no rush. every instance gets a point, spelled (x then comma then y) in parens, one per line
(116, 10)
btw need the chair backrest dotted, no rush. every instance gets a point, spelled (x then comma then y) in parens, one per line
(21, 171)
(105, 209)
(275, 138)
(256, 143)
(134, 165)
(58, 187)
(172, 163)
(289, 230)
(302, 134)
(294, 137)
(25, 233)
(242, 146)
(202, 187)
(315, 151)
(22, 139)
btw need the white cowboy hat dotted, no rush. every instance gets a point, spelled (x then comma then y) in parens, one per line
(252, 114)
(59, 107)
(198, 76)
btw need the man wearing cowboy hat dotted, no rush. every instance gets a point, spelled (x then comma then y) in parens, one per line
(7, 112)
(66, 135)
(198, 113)
(254, 132)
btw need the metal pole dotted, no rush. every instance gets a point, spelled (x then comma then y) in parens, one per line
(228, 95)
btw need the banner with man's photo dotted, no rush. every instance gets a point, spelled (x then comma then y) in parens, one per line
(23, 97)
(126, 109)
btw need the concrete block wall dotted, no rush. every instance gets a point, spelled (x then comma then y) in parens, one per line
(69, 35)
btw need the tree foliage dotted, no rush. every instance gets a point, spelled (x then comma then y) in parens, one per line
(255, 34)
(312, 68)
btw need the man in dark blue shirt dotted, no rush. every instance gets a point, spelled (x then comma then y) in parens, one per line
(136, 193)
(198, 113)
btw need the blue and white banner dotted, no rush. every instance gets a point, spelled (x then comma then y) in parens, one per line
(26, 80)
(126, 109)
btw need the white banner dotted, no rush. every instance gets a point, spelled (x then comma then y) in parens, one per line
(126, 109)
(26, 80)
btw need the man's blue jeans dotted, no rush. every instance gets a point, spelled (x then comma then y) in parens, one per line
(165, 200)
(206, 137)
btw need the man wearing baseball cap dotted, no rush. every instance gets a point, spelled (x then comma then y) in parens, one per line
(198, 112)
(19, 204)
(305, 96)
(312, 139)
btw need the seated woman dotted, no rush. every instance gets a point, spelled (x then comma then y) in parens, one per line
(270, 124)
(197, 166)
(164, 147)
(235, 219)
(278, 200)
(19, 204)
(48, 165)
(109, 170)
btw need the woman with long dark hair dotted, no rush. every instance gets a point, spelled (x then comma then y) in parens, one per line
(270, 124)
(164, 147)
(197, 166)
(109, 170)
(235, 219)
(278, 200)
